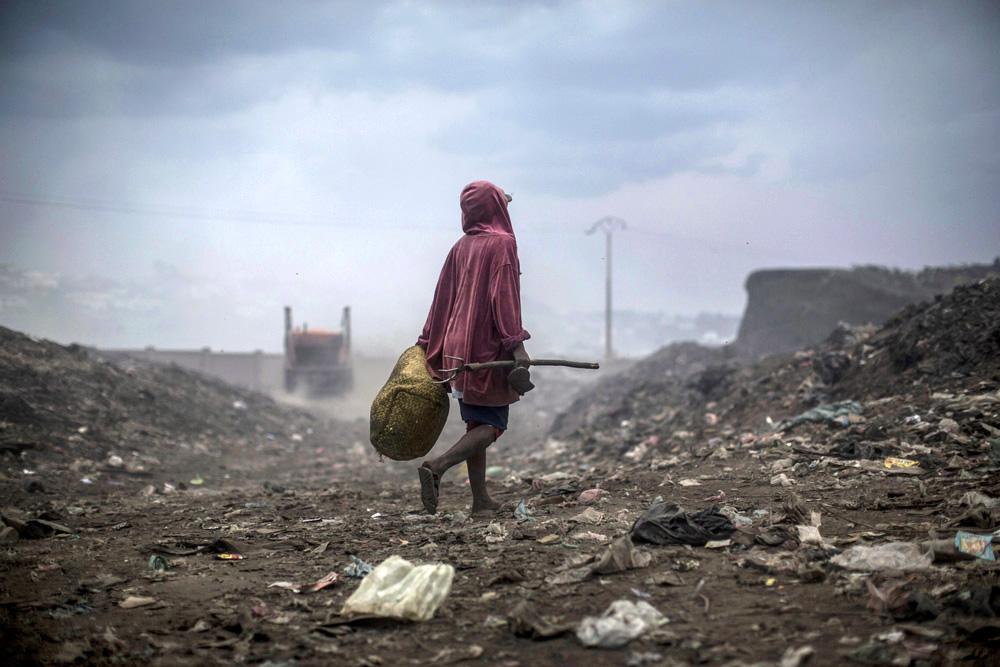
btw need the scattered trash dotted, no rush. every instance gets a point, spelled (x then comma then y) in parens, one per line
(287, 585)
(782, 480)
(689, 482)
(637, 659)
(158, 563)
(980, 546)
(330, 578)
(197, 481)
(912, 419)
(622, 622)
(494, 471)
(589, 496)
(228, 557)
(619, 556)
(903, 556)
(892, 462)
(669, 524)
(822, 413)
(358, 569)
(494, 533)
(794, 657)
(809, 535)
(115, 461)
(525, 621)
(251, 506)
(133, 602)
(522, 513)
(239, 405)
(589, 536)
(737, 518)
(398, 589)
(718, 544)
(588, 516)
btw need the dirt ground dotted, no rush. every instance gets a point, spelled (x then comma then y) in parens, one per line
(108, 463)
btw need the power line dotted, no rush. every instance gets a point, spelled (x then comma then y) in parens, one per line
(195, 214)
(208, 215)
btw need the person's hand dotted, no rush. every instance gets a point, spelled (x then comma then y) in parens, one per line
(521, 358)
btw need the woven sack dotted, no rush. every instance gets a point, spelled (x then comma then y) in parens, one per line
(409, 412)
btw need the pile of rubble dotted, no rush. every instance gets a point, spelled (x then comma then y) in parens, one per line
(932, 362)
(70, 412)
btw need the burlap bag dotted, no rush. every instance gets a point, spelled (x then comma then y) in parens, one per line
(409, 412)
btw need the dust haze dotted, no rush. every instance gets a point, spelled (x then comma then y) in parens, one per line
(174, 175)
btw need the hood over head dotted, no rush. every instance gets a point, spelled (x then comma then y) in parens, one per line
(484, 210)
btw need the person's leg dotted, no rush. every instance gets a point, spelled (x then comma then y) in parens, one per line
(473, 443)
(481, 501)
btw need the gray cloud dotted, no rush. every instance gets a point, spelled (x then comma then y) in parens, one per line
(831, 133)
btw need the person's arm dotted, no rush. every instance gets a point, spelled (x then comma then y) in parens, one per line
(521, 357)
(505, 297)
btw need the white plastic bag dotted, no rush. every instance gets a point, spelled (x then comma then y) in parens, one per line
(399, 589)
(623, 621)
(904, 556)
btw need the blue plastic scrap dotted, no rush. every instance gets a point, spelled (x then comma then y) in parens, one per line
(522, 513)
(358, 568)
(822, 413)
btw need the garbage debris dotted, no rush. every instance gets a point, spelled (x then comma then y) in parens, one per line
(134, 601)
(980, 546)
(822, 413)
(398, 589)
(157, 563)
(619, 556)
(622, 622)
(358, 569)
(522, 513)
(668, 523)
(903, 556)
(525, 621)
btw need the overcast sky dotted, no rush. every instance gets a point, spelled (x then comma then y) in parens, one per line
(210, 162)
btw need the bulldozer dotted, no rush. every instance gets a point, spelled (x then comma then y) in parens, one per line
(317, 361)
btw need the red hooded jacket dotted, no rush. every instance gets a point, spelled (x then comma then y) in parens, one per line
(476, 312)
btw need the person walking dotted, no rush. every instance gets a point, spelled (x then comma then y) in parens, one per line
(475, 316)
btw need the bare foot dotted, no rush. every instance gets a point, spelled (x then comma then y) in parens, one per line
(487, 506)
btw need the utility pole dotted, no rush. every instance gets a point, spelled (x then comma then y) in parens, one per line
(609, 224)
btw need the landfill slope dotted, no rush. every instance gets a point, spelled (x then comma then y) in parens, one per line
(692, 509)
(75, 410)
(788, 309)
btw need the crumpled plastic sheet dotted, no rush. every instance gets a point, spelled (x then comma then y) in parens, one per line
(622, 622)
(822, 413)
(619, 556)
(668, 523)
(903, 556)
(398, 589)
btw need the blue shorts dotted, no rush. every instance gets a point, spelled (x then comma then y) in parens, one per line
(495, 416)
